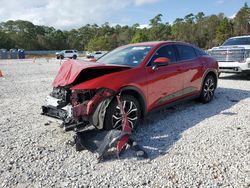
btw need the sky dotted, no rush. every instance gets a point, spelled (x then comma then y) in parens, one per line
(69, 14)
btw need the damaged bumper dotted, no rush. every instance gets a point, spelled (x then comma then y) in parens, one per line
(79, 112)
(53, 108)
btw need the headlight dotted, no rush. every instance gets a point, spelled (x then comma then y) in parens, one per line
(247, 53)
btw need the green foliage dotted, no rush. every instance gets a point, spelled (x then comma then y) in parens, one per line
(156, 20)
(224, 30)
(140, 36)
(100, 43)
(242, 21)
(203, 31)
(158, 30)
(5, 41)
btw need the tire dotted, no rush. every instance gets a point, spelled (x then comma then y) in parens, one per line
(61, 57)
(113, 116)
(208, 89)
(57, 57)
(74, 56)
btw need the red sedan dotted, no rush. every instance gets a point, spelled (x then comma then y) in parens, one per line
(147, 75)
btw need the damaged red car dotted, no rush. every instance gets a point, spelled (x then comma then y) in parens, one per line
(146, 75)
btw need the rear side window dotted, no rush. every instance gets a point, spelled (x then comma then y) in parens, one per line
(165, 51)
(68, 51)
(199, 52)
(185, 52)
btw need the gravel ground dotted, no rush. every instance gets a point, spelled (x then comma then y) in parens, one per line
(190, 145)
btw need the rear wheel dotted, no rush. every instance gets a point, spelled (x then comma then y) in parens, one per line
(61, 57)
(208, 89)
(113, 118)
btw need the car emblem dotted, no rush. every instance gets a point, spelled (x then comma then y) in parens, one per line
(226, 53)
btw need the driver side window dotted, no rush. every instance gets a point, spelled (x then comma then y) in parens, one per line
(165, 51)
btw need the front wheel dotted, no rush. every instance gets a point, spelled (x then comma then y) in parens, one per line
(113, 117)
(74, 56)
(208, 89)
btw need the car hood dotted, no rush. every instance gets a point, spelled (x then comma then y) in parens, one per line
(73, 72)
(231, 47)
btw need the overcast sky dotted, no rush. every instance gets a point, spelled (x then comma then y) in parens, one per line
(68, 14)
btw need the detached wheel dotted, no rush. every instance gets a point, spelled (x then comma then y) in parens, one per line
(208, 89)
(113, 117)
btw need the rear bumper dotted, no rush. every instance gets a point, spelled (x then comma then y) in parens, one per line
(234, 67)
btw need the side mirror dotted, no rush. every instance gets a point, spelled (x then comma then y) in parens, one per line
(161, 61)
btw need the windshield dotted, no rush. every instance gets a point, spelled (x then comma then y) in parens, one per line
(129, 56)
(237, 41)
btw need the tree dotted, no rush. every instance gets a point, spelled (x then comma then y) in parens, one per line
(156, 20)
(140, 36)
(183, 29)
(199, 16)
(210, 26)
(158, 30)
(224, 30)
(203, 31)
(5, 41)
(242, 21)
(99, 43)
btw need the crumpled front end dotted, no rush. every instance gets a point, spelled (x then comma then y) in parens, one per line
(82, 93)
(78, 108)
(57, 104)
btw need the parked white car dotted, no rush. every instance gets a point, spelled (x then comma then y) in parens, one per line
(96, 55)
(233, 55)
(67, 54)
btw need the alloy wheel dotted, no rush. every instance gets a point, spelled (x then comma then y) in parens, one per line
(132, 114)
(208, 90)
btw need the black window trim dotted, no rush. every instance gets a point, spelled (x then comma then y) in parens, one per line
(178, 55)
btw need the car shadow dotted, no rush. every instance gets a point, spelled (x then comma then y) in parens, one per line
(159, 131)
(235, 77)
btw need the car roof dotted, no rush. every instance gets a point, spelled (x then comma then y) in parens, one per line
(156, 43)
(245, 36)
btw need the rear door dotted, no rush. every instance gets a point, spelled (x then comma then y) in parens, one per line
(165, 83)
(192, 67)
